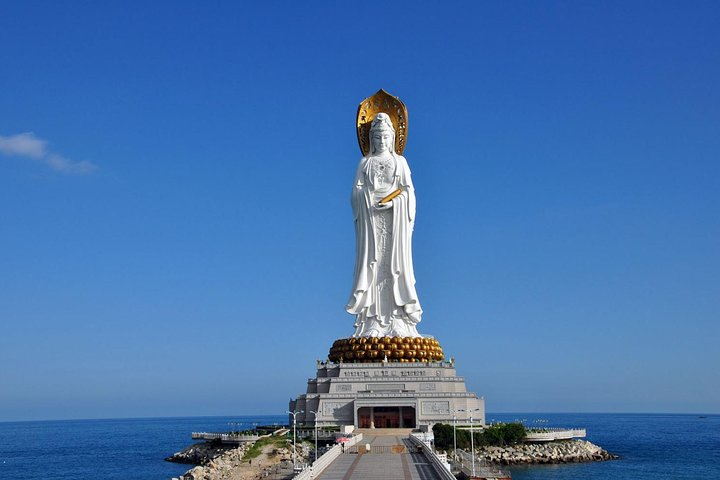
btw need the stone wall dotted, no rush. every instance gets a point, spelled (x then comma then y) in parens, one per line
(564, 451)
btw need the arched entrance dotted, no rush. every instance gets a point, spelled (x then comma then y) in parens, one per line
(386, 417)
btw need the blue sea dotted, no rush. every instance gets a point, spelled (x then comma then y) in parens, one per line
(650, 446)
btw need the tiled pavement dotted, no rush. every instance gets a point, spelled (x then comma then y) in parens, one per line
(381, 466)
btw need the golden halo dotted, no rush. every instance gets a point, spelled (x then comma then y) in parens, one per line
(382, 101)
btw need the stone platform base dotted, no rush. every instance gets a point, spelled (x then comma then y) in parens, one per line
(387, 395)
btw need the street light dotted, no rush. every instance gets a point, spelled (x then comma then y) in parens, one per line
(316, 435)
(472, 440)
(454, 434)
(294, 414)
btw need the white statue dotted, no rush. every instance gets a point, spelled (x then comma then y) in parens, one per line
(383, 296)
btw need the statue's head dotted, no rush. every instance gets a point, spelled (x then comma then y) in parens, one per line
(382, 134)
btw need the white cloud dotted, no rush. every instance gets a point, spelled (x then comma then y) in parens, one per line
(24, 145)
(62, 164)
(29, 146)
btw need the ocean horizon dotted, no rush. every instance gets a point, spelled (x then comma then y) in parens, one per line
(272, 415)
(650, 446)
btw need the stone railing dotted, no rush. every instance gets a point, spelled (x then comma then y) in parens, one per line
(408, 394)
(389, 364)
(389, 378)
(551, 434)
(442, 468)
(317, 467)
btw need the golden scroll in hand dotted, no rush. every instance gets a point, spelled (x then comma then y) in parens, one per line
(391, 196)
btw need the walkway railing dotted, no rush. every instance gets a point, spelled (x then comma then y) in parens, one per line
(323, 432)
(235, 437)
(317, 467)
(482, 470)
(225, 437)
(442, 468)
(550, 434)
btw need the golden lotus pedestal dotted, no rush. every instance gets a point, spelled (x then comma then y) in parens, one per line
(388, 349)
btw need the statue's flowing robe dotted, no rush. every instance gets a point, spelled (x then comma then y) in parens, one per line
(363, 301)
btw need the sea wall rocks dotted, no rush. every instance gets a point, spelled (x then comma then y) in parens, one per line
(219, 467)
(199, 453)
(561, 451)
(223, 462)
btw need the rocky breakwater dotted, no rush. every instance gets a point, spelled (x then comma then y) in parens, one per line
(200, 453)
(560, 451)
(221, 462)
(222, 466)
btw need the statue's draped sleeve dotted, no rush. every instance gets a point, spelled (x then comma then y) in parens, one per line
(364, 242)
(403, 225)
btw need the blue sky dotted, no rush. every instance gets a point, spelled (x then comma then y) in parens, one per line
(175, 229)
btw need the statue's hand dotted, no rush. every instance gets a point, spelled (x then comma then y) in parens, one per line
(383, 206)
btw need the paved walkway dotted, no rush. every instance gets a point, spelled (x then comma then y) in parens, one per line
(386, 466)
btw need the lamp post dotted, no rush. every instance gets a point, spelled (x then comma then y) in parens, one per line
(472, 440)
(294, 414)
(316, 448)
(454, 434)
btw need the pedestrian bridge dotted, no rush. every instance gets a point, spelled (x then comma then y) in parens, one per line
(389, 455)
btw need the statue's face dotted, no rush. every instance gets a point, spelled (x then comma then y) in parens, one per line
(381, 141)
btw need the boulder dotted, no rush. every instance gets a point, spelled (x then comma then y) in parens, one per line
(562, 451)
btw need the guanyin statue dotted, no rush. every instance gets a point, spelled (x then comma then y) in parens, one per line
(383, 296)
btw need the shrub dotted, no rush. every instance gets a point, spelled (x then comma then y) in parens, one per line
(497, 435)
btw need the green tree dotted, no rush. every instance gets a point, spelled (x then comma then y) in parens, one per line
(497, 435)
(514, 432)
(444, 437)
